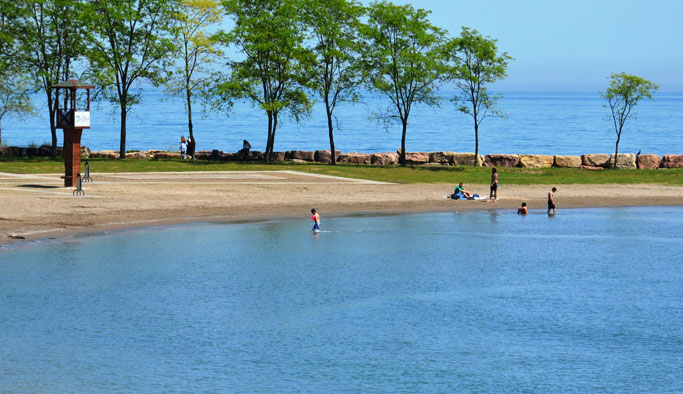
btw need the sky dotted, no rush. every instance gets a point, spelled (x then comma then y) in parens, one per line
(573, 45)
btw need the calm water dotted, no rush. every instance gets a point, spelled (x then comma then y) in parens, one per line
(587, 301)
(538, 122)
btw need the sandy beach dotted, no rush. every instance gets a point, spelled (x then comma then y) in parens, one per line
(37, 206)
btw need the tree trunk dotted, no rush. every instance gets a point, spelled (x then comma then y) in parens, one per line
(333, 156)
(191, 145)
(402, 159)
(270, 131)
(0, 134)
(476, 143)
(52, 109)
(616, 152)
(122, 151)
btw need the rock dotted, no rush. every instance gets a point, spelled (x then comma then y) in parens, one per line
(536, 161)
(277, 156)
(107, 154)
(672, 161)
(466, 159)
(648, 161)
(202, 155)
(299, 155)
(325, 156)
(85, 152)
(354, 158)
(136, 155)
(595, 160)
(227, 156)
(417, 157)
(4, 150)
(501, 160)
(592, 168)
(625, 160)
(166, 155)
(255, 155)
(384, 159)
(441, 157)
(568, 161)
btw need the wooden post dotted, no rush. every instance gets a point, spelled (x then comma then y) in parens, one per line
(72, 155)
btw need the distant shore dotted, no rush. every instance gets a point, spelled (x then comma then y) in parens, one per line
(36, 207)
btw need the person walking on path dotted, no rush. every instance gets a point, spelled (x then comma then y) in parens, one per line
(493, 194)
(551, 201)
(316, 220)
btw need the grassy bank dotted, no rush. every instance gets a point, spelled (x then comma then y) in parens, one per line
(451, 175)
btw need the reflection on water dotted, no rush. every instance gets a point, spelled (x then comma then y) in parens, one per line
(482, 301)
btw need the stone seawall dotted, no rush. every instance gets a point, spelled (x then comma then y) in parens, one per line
(593, 161)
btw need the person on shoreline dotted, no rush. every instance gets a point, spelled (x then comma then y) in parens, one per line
(522, 210)
(460, 189)
(183, 146)
(243, 153)
(316, 220)
(551, 201)
(493, 194)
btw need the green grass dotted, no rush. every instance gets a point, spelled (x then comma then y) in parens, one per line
(397, 174)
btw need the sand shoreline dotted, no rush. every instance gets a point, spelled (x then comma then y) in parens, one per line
(37, 207)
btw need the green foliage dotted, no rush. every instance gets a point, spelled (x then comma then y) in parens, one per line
(476, 64)
(132, 41)
(335, 71)
(623, 94)
(403, 59)
(271, 75)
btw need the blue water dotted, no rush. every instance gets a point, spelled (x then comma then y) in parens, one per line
(586, 301)
(539, 122)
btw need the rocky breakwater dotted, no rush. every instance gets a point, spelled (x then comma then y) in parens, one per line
(672, 161)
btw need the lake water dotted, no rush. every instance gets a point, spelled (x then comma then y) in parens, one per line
(567, 123)
(586, 301)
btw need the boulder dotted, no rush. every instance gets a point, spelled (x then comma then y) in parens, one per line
(466, 159)
(441, 157)
(325, 156)
(299, 155)
(4, 150)
(417, 157)
(625, 160)
(596, 160)
(672, 161)
(648, 161)
(277, 156)
(384, 159)
(136, 155)
(109, 154)
(568, 161)
(536, 161)
(255, 155)
(501, 160)
(227, 156)
(166, 155)
(202, 155)
(354, 158)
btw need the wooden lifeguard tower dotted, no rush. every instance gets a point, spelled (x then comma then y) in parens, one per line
(72, 120)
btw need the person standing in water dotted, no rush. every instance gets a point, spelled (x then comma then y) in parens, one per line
(493, 194)
(551, 201)
(522, 210)
(316, 220)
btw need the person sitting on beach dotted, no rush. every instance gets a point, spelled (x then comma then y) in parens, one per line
(183, 146)
(522, 210)
(244, 152)
(460, 191)
(316, 220)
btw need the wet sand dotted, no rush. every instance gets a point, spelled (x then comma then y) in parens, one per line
(38, 206)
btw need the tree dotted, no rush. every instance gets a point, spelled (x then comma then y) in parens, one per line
(15, 98)
(476, 64)
(403, 59)
(197, 51)
(132, 42)
(336, 72)
(271, 75)
(53, 38)
(623, 94)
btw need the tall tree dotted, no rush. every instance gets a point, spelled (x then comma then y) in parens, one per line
(271, 74)
(336, 73)
(403, 59)
(623, 94)
(132, 42)
(53, 36)
(476, 63)
(15, 98)
(198, 50)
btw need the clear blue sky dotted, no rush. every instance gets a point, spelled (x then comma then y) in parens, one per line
(574, 44)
